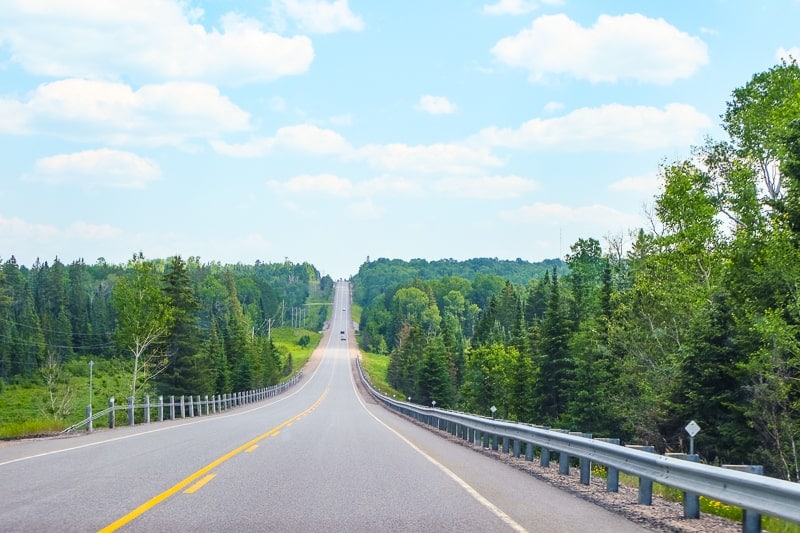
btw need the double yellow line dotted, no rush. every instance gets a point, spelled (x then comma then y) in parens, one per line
(146, 506)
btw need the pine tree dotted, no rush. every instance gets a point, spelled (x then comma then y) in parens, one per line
(555, 364)
(185, 372)
(435, 381)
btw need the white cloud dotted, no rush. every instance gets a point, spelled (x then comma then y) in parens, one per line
(435, 105)
(14, 117)
(511, 7)
(96, 168)
(599, 217)
(644, 185)
(303, 138)
(312, 139)
(436, 158)
(612, 127)
(319, 16)
(145, 40)
(364, 210)
(389, 185)
(85, 231)
(487, 187)
(14, 230)
(319, 184)
(169, 113)
(616, 47)
(784, 53)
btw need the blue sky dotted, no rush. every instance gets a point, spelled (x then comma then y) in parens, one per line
(333, 131)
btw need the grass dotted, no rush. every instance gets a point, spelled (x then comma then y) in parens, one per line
(707, 505)
(375, 366)
(287, 340)
(23, 405)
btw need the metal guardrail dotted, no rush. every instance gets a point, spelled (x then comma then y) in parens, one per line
(183, 407)
(751, 492)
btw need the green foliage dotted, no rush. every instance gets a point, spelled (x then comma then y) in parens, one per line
(186, 327)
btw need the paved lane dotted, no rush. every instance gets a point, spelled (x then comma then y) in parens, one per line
(319, 458)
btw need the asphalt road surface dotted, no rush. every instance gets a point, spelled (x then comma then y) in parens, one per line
(319, 457)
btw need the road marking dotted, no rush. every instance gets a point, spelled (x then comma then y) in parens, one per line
(199, 484)
(251, 448)
(499, 513)
(146, 506)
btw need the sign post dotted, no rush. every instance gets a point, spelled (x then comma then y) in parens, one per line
(692, 429)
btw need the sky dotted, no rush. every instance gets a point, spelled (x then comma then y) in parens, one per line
(335, 132)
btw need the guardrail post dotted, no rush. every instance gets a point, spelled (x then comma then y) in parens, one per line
(111, 416)
(147, 409)
(645, 485)
(691, 501)
(586, 465)
(563, 463)
(751, 520)
(191, 406)
(529, 451)
(160, 408)
(544, 459)
(495, 443)
(485, 440)
(208, 407)
(612, 474)
(130, 411)
(172, 407)
(89, 418)
(183, 407)
(517, 446)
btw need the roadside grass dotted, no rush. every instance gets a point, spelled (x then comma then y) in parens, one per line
(375, 366)
(355, 311)
(24, 403)
(707, 505)
(288, 341)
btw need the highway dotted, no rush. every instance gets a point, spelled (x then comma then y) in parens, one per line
(319, 457)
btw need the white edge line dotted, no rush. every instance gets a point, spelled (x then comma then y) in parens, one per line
(513, 524)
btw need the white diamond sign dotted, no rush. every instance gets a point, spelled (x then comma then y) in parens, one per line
(692, 428)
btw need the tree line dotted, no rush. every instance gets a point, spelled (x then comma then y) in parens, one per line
(181, 326)
(696, 317)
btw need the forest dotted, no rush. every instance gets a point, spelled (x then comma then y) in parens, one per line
(175, 326)
(695, 317)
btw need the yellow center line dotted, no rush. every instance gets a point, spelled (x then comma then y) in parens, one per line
(146, 506)
(199, 484)
(251, 448)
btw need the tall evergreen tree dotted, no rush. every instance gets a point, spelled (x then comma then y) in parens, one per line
(434, 380)
(186, 369)
(555, 364)
(404, 359)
